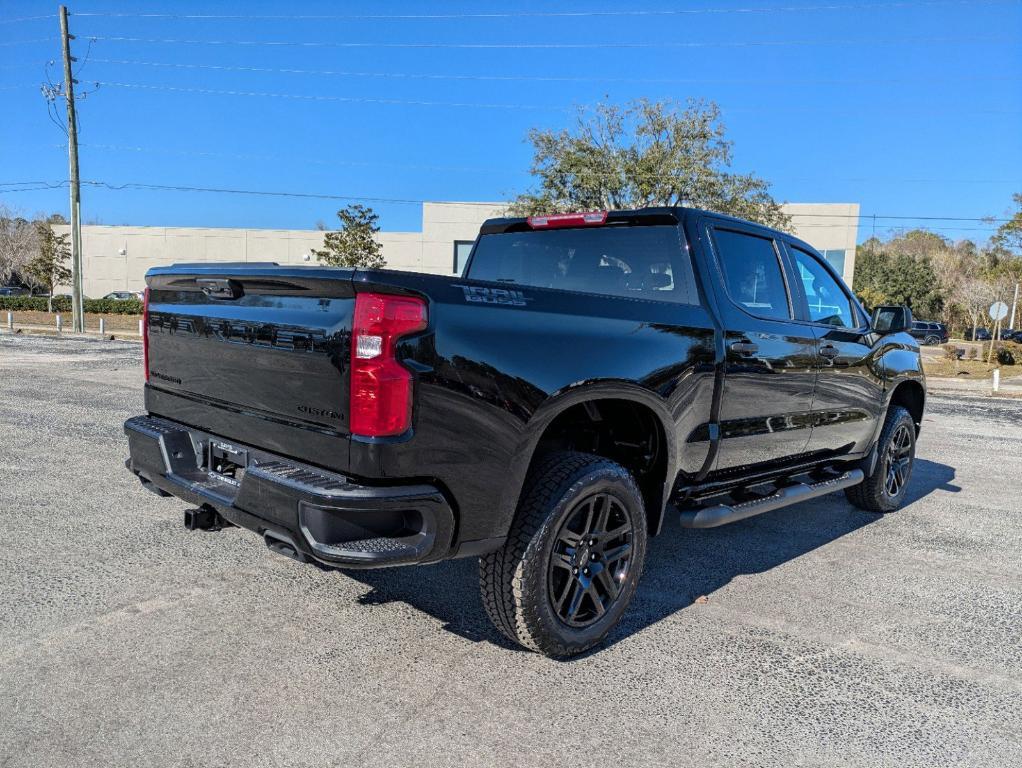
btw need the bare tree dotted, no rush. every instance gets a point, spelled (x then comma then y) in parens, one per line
(18, 242)
(974, 295)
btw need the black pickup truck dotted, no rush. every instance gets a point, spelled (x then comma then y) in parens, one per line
(589, 376)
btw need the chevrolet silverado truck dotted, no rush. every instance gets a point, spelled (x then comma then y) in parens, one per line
(588, 377)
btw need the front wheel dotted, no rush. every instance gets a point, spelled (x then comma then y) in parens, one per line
(573, 555)
(884, 489)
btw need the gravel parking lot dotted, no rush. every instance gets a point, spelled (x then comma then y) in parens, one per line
(827, 637)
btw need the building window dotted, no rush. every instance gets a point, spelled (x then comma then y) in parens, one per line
(836, 259)
(462, 248)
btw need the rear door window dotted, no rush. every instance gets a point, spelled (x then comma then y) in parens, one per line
(638, 262)
(753, 275)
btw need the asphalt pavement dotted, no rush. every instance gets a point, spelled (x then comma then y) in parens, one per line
(814, 635)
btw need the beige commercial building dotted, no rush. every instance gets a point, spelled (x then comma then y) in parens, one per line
(116, 258)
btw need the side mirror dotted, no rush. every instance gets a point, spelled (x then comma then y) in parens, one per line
(891, 319)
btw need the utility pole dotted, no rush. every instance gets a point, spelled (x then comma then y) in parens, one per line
(1014, 306)
(77, 310)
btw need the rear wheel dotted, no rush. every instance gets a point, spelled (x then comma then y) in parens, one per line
(931, 340)
(884, 489)
(573, 556)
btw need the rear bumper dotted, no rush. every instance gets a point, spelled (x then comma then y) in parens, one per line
(324, 517)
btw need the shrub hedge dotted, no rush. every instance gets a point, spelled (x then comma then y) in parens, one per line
(96, 306)
(1008, 353)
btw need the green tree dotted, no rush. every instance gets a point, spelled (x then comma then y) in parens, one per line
(48, 268)
(645, 153)
(900, 277)
(1009, 234)
(354, 244)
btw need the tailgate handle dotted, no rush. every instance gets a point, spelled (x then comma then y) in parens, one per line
(220, 288)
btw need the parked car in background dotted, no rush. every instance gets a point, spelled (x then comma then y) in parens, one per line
(1011, 334)
(14, 290)
(124, 296)
(929, 333)
(982, 334)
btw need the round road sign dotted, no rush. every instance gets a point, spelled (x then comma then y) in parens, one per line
(998, 310)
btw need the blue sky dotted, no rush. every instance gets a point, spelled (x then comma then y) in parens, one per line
(909, 108)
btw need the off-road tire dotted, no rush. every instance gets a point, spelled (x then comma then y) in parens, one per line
(872, 493)
(515, 581)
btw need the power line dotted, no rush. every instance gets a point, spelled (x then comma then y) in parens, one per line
(411, 201)
(572, 46)
(30, 186)
(321, 97)
(265, 193)
(474, 168)
(25, 18)
(546, 79)
(893, 227)
(543, 14)
(29, 42)
(492, 105)
(21, 183)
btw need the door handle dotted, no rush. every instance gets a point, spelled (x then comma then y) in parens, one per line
(829, 351)
(744, 347)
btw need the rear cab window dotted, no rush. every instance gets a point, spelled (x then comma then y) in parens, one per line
(632, 261)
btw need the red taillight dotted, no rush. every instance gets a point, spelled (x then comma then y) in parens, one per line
(145, 332)
(589, 219)
(381, 388)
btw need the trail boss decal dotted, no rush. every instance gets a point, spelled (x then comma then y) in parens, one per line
(480, 295)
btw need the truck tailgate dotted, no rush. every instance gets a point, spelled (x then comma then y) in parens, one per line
(255, 353)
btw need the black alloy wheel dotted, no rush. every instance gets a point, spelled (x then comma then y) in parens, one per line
(885, 485)
(573, 556)
(590, 560)
(898, 460)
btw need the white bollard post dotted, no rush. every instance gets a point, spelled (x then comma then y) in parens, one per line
(102, 326)
(997, 379)
(139, 327)
(10, 320)
(60, 324)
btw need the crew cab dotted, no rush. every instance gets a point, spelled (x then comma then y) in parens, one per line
(589, 379)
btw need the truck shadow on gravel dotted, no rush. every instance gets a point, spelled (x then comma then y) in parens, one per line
(681, 565)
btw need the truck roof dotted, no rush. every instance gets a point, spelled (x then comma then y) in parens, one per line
(640, 216)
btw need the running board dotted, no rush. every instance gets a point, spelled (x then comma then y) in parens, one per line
(722, 514)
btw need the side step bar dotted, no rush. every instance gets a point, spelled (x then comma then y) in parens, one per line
(722, 514)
